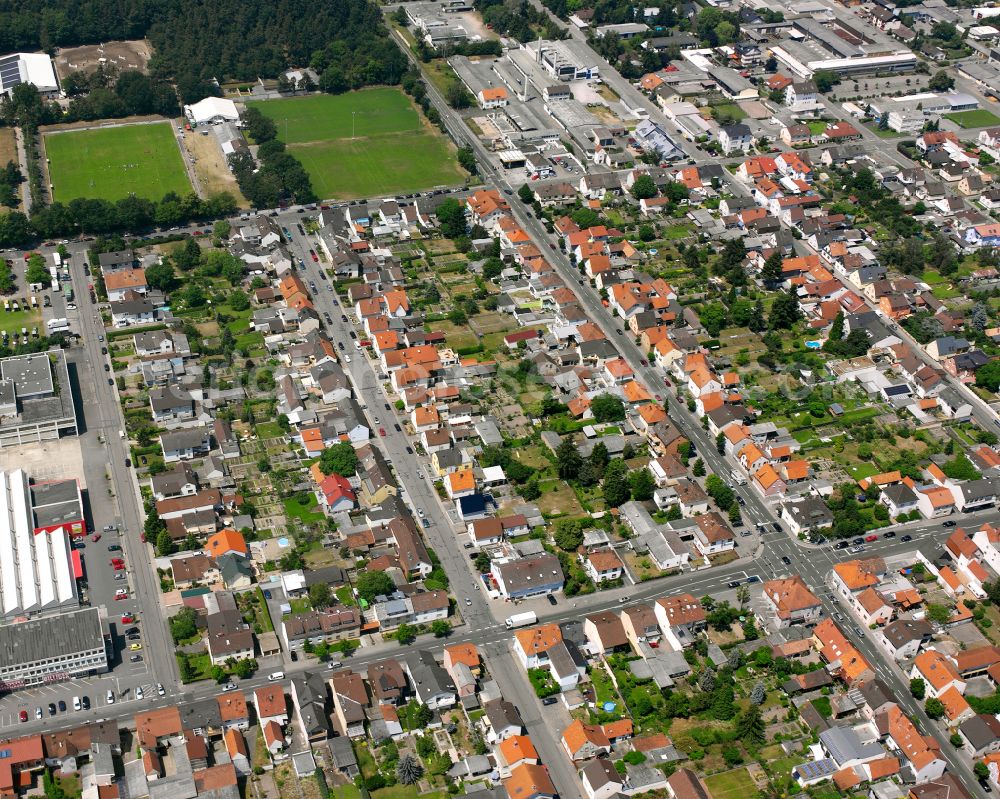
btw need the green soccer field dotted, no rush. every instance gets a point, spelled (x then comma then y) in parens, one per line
(364, 143)
(112, 163)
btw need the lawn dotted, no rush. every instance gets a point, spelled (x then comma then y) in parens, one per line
(303, 511)
(735, 784)
(862, 470)
(269, 430)
(817, 126)
(14, 321)
(112, 163)
(364, 143)
(980, 118)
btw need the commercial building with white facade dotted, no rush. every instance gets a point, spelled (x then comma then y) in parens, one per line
(51, 649)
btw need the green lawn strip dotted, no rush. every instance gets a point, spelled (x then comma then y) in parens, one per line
(978, 118)
(262, 614)
(735, 784)
(114, 162)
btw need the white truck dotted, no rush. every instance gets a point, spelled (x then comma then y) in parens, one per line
(521, 619)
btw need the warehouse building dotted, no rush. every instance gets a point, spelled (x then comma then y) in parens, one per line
(36, 564)
(52, 649)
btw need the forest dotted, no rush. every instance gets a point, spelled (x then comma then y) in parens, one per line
(195, 42)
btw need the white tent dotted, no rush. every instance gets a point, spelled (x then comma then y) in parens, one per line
(212, 109)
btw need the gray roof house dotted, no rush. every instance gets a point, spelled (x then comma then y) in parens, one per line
(309, 698)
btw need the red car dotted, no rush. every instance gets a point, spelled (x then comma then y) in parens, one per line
(95, 537)
(128, 618)
(120, 596)
(196, 233)
(381, 432)
(23, 715)
(118, 564)
(871, 537)
(142, 537)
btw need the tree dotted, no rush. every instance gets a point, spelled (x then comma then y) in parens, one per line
(219, 674)
(607, 408)
(183, 625)
(988, 375)
(960, 468)
(568, 535)
(784, 311)
(934, 708)
(185, 667)
(483, 562)
(440, 628)
(339, 459)
(642, 484)
(750, 726)
(981, 770)
(825, 79)
(644, 187)
(956, 740)
(615, 487)
(526, 194)
(408, 770)
(161, 276)
(164, 544)
(713, 316)
(37, 272)
(758, 694)
(941, 81)
(939, 614)
(451, 218)
(599, 458)
(406, 634)
(245, 668)
(568, 460)
(706, 680)
(319, 596)
(188, 255)
(698, 469)
(372, 584)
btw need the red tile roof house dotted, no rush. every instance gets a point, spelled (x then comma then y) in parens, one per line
(336, 494)
(680, 618)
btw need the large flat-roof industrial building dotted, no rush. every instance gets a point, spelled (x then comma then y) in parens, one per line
(36, 398)
(33, 68)
(37, 524)
(51, 649)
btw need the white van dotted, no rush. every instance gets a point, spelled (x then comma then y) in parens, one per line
(275, 676)
(76, 703)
